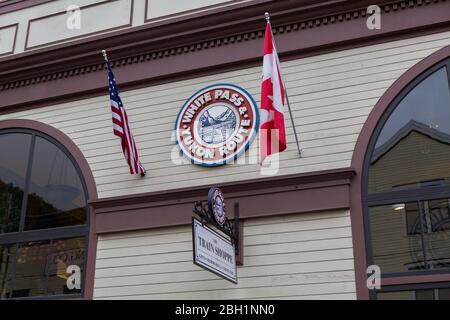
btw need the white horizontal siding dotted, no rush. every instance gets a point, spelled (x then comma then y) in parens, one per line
(297, 256)
(331, 96)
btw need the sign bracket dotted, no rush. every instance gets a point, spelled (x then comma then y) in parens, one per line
(229, 227)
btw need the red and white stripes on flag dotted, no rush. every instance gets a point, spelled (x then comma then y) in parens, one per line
(121, 127)
(272, 129)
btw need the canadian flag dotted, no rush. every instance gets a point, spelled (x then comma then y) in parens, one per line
(272, 129)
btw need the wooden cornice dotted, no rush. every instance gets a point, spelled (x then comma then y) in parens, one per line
(196, 35)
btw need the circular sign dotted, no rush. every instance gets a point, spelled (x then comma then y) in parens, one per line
(217, 124)
(216, 204)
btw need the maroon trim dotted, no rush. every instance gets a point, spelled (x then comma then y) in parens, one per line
(217, 23)
(27, 47)
(89, 181)
(240, 256)
(356, 210)
(300, 193)
(14, 5)
(91, 259)
(415, 279)
(167, 50)
(16, 25)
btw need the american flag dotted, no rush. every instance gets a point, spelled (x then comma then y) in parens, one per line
(121, 127)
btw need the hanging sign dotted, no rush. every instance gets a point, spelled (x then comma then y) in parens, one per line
(217, 124)
(213, 252)
(216, 203)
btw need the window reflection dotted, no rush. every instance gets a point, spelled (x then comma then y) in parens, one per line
(415, 141)
(437, 233)
(396, 247)
(56, 195)
(66, 253)
(14, 150)
(427, 104)
(30, 269)
(415, 237)
(39, 268)
(7, 257)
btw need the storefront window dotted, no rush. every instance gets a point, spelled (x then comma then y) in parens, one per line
(407, 190)
(43, 218)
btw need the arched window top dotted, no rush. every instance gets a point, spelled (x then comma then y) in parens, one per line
(43, 217)
(37, 174)
(413, 147)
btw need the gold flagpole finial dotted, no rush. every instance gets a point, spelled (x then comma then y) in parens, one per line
(105, 55)
(267, 16)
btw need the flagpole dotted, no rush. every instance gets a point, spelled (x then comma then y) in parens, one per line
(293, 124)
(287, 98)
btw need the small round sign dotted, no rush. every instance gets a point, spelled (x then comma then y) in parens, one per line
(217, 124)
(216, 204)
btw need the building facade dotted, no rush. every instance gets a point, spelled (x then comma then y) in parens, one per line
(370, 105)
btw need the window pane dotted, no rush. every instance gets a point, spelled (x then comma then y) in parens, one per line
(411, 236)
(13, 167)
(413, 148)
(7, 257)
(41, 268)
(397, 237)
(437, 233)
(56, 196)
(31, 268)
(68, 252)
